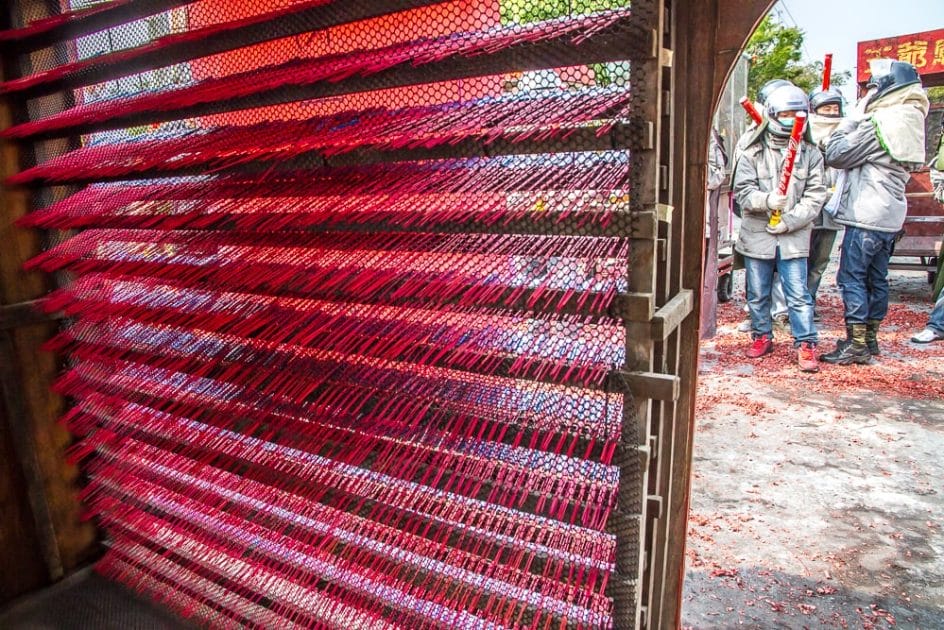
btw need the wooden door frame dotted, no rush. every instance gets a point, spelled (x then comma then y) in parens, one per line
(709, 35)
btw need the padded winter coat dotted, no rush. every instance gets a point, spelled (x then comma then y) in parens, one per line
(873, 197)
(756, 174)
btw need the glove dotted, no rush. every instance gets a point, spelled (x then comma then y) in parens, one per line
(776, 201)
(780, 228)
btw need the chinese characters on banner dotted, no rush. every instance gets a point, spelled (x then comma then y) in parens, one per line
(925, 51)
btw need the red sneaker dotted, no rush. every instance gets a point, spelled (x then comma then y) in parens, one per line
(806, 357)
(761, 346)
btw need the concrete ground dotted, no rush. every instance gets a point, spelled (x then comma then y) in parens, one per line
(818, 499)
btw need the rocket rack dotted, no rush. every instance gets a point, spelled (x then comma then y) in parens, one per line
(367, 316)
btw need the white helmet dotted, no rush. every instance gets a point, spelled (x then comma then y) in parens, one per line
(766, 89)
(787, 98)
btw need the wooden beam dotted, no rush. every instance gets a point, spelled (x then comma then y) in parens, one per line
(653, 386)
(24, 314)
(711, 34)
(24, 449)
(668, 318)
(31, 408)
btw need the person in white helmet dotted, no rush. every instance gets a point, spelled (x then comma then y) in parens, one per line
(778, 303)
(783, 247)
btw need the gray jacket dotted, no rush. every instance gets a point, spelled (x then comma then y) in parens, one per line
(756, 173)
(874, 195)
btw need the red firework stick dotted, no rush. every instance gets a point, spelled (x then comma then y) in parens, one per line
(827, 70)
(751, 110)
(796, 135)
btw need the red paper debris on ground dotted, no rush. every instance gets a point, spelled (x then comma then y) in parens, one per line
(812, 501)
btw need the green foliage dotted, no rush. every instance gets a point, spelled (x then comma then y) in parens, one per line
(524, 11)
(936, 94)
(775, 51)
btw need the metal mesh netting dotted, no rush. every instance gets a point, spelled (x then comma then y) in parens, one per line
(350, 303)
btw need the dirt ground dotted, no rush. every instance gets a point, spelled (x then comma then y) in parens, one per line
(818, 499)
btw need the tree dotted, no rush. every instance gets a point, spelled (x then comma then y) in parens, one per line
(523, 11)
(775, 51)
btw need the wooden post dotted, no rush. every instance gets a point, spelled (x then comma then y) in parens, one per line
(26, 373)
(711, 34)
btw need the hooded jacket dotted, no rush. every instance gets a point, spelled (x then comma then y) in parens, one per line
(877, 152)
(756, 174)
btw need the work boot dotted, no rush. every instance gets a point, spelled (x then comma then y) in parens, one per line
(760, 346)
(852, 349)
(806, 357)
(871, 336)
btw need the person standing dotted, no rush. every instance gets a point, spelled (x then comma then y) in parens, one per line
(783, 247)
(778, 303)
(934, 331)
(826, 112)
(876, 149)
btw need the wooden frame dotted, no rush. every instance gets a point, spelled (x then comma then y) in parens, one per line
(691, 47)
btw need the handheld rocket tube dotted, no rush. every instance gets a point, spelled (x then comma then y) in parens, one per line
(750, 109)
(827, 70)
(796, 136)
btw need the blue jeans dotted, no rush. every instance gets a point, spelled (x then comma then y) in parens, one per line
(936, 320)
(792, 272)
(863, 274)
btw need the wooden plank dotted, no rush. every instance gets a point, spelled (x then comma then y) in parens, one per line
(24, 450)
(645, 150)
(24, 314)
(20, 549)
(668, 318)
(638, 307)
(653, 386)
(32, 409)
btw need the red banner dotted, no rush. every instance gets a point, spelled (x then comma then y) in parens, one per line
(925, 51)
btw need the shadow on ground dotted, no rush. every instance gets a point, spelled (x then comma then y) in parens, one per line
(760, 598)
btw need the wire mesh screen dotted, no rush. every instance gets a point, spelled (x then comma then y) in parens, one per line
(350, 297)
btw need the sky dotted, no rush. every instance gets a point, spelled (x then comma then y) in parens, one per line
(836, 26)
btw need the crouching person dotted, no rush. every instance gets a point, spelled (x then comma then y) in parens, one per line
(783, 247)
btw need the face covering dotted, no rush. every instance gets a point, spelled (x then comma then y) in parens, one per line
(786, 122)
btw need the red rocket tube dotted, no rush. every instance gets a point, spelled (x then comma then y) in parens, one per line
(827, 70)
(796, 136)
(750, 109)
